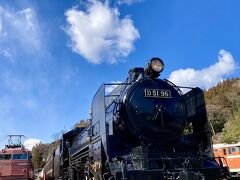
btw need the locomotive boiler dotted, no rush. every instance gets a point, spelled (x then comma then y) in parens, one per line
(145, 128)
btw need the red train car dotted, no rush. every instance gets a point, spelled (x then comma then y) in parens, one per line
(15, 163)
(230, 156)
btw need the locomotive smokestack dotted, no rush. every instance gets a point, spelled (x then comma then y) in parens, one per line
(135, 74)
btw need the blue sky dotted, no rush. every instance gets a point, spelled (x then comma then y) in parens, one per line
(54, 54)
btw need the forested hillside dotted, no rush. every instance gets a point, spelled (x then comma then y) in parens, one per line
(223, 106)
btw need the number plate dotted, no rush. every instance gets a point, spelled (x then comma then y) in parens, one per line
(157, 93)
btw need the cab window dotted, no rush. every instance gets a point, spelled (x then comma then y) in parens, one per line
(5, 156)
(233, 149)
(224, 151)
(20, 156)
(229, 151)
(238, 149)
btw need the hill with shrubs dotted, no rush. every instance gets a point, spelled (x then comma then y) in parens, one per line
(223, 107)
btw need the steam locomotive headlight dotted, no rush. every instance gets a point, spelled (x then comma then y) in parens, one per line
(157, 65)
(154, 67)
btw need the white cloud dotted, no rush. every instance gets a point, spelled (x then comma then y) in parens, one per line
(128, 2)
(31, 142)
(5, 52)
(29, 18)
(98, 34)
(207, 77)
(19, 30)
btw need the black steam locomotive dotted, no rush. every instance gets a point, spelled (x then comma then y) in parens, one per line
(144, 129)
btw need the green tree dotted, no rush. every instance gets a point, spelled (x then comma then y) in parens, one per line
(82, 123)
(39, 154)
(231, 131)
(222, 101)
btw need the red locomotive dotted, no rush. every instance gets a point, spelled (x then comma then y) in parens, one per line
(15, 160)
(230, 157)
